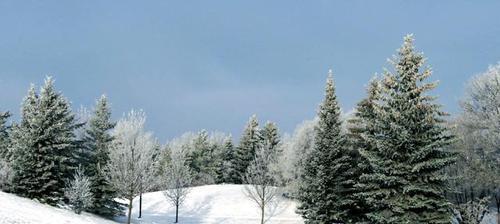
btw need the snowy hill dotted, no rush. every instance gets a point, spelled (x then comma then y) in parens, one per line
(205, 204)
(211, 204)
(14, 209)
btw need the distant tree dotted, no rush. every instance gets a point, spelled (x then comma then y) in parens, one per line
(4, 135)
(44, 145)
(478, 132)
(5, 157)
(473, 212)
(78, 192)
(201, 160)
(295, 151)
(261, 179)
(245, 151)
(131, 157)
(177, 179)
(328, 179)
(228, 158)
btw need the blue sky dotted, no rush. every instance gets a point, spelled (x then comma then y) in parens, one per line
(195, 65)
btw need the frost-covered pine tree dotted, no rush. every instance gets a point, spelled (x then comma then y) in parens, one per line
(325, 193)
(4, 135)
(5, 168)
(227, 164)
(132, 155)
(407, 181)
(245, 152)
(96, 146)
(271, 137)
(202, 160)
(271, 141)
(361, 132)
(44, 145)
(78, 192)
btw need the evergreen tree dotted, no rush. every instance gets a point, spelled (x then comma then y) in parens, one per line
(328, 180)
(95, 157)
(361, 129)
(407, 181)
(4, 135)
(271, 137)
(44, 145)
(271, 141)
(245, 152)
(228, 160)
(201, 160)
(79, 192)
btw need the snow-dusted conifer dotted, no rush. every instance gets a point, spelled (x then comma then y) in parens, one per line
(96, 146)
(78, 192)
(44, 144)
(201, 160)
(407, 183)
(131, 156)
(245, 152)
(271, 137)
(4, 135)
(325, 193)
(5, 168)
(361, 130)
(227, 164)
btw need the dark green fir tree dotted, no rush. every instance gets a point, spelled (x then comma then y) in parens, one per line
(245, 152)
(44, 145)
(328, 179)
(95, 156)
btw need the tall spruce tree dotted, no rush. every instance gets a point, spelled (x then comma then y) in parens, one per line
(95, 157)
(245, 151)
(407, 182)
(361, 130)
(328, 179)
(44, 145)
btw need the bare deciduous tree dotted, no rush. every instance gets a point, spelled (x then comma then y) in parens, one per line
(261, 179)
(177, 181)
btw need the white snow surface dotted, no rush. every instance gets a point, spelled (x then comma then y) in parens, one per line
(224, 204)
(14, 209)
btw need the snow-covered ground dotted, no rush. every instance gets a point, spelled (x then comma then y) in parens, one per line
(14, 209)
(211, 204)
(205, 204)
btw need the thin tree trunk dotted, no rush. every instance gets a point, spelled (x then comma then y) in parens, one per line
(130, 209)
(263, 205)
(262, 214)
(140, 204)
(176, 212)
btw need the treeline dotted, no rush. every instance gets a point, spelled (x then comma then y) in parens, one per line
(398, 158)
